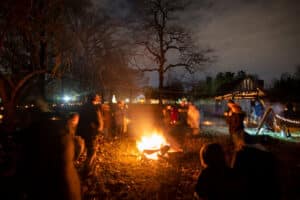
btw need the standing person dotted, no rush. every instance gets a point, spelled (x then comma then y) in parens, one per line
(90, 125)
(289, 110)
(235, 120)
(119, 119)
(174, 114)
(107, 120)
(214, 182)
(166, 115)
(258, 110)
(193, 118)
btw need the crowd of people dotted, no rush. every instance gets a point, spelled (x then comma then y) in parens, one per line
(251, 173)
(188, 114)
(52, 147)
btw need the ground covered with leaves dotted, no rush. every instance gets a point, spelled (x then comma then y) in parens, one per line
(122, 172)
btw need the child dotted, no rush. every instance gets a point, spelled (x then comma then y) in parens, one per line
(214, 180)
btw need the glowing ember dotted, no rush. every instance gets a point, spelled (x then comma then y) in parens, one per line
(151, 145)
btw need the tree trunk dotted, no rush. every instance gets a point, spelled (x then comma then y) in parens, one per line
(43, 66)
(161, 86)
(9, 120)
(10, 99)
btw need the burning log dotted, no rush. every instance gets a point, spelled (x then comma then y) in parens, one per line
(155, 146)
(164, 150)
(151, 151)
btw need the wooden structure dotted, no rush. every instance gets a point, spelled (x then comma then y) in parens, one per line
(280, 123)
(247, 88)
(243, 91)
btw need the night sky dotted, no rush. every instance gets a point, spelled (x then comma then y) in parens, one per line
(258, 36)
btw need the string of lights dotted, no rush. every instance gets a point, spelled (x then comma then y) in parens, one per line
(296, 122)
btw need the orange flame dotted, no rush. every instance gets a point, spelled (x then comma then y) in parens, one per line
(150, 145)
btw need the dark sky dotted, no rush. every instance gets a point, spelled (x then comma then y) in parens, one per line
(257, 36)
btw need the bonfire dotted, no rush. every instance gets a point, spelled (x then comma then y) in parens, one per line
(153, 146)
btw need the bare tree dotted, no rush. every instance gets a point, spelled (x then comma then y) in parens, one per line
(100, 54)
(165, 43)
(30, 32)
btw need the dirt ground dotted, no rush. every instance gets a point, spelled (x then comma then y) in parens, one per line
(122, 172)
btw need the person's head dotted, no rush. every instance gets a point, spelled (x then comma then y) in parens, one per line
(73, 119)
(98, 99)
(94, 98)
(233, 106)
(289, 106)
(230, 102)
(257, 103)
(121, 104)
(212, 155)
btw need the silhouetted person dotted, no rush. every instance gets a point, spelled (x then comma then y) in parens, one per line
(215, 180)
(257, 174)
(46, 170)
(90, 125)
(289, 110)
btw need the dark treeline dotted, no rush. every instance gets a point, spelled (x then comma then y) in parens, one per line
(283, 89)
(286, 88)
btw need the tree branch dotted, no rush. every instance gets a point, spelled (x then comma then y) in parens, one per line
(151, 51)
(23, 81)
(177, 65)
